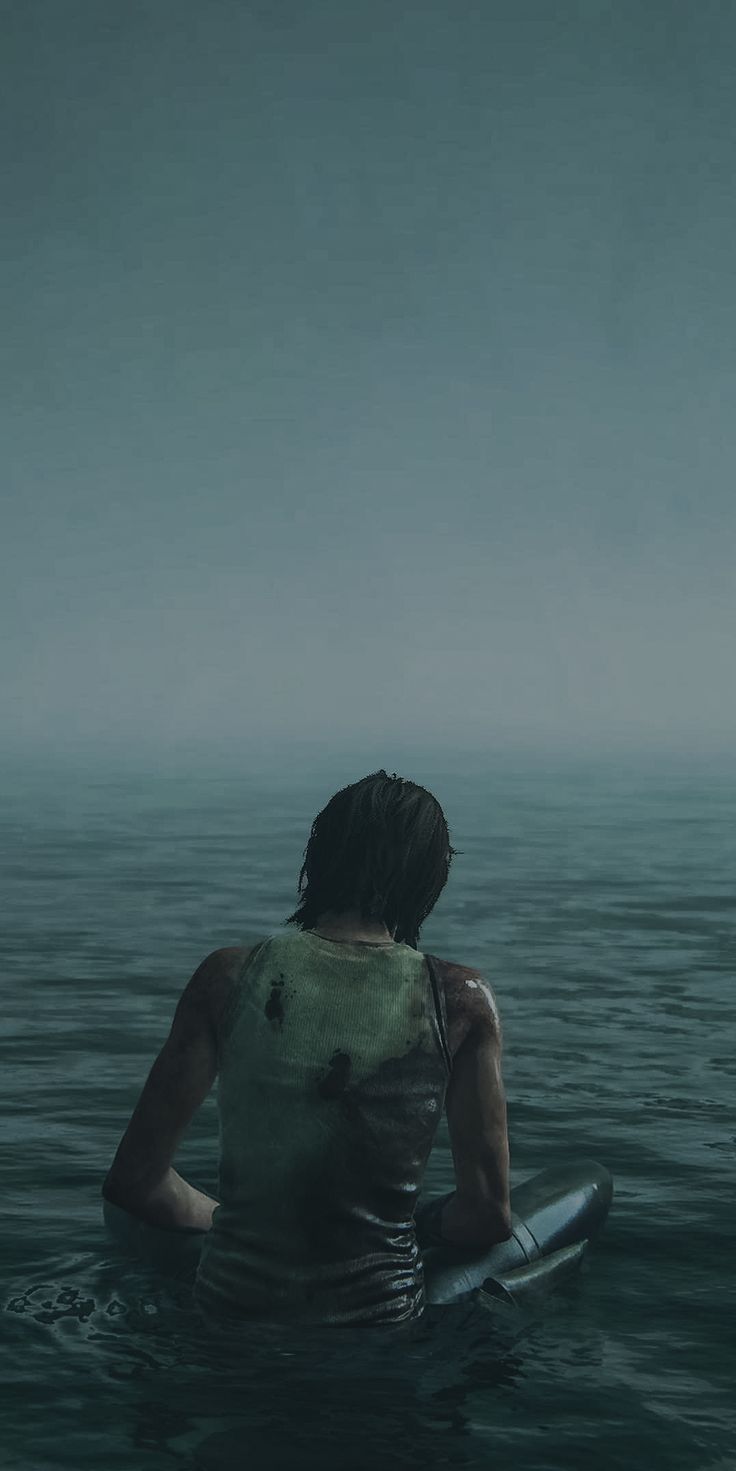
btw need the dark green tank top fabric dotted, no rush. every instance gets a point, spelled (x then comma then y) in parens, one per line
(332, 1080)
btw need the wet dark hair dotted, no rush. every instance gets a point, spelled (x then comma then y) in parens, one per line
(382, 846)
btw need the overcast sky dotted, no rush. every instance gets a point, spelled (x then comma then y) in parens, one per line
(369, 374)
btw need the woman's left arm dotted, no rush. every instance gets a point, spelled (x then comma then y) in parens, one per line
(141, 1179)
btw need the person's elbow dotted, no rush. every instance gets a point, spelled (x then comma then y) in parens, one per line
(489, 1221)
(499, 1225)
(113, 1189)
(505, 1227)
(494, 1218)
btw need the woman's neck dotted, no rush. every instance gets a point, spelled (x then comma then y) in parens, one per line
(348, 925)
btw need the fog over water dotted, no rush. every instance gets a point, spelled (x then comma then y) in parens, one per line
(368, 378)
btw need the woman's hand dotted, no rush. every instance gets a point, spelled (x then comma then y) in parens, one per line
(172, 1205)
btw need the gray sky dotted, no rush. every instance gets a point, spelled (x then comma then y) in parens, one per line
(368, 374)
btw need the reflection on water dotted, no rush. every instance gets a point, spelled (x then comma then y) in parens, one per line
(190, 1391)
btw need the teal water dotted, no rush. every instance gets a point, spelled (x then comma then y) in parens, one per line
(600, 901)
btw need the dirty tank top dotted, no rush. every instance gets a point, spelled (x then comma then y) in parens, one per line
(332, 1079)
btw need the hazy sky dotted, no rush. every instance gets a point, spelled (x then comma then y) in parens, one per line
(369, 373)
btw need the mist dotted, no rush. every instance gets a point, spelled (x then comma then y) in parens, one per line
(368, 379)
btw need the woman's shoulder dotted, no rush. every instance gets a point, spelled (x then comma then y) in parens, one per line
(224, 969)
(469, 999)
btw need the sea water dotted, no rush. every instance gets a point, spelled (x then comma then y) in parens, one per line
(599, 899)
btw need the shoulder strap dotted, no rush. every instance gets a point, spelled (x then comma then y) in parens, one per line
(438, 993)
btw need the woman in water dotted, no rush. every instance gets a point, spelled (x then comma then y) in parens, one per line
(336, 1044)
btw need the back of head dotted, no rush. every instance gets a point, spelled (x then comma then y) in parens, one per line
(381, 846)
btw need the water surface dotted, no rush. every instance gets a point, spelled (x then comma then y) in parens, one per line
(600, 901)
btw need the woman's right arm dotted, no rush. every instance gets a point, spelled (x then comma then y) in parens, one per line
(479, 1213)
